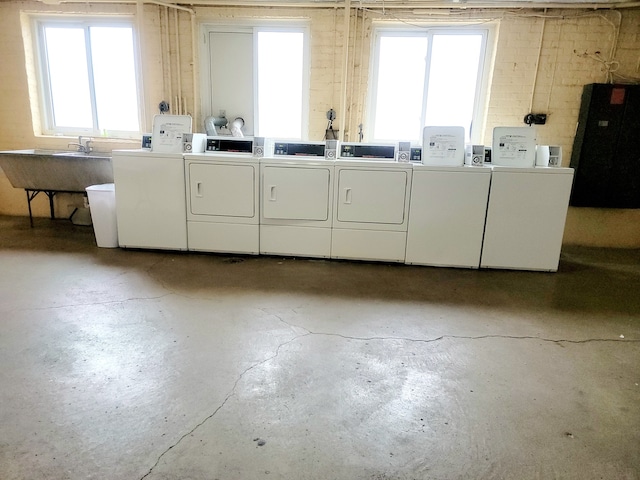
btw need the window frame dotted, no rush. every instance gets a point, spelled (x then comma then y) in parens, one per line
(47, 121)
(254, 27)
(481, 98)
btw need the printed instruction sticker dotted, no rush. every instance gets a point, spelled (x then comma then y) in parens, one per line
(170, 133)
(513, 147)
(442, 146)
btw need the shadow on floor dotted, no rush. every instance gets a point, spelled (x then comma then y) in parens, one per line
(589, 279)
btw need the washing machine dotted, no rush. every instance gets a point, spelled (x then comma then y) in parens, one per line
(447, 215)
(526, 216)
(222, 194)
(296, 200)
(371, 204)
(150, 199)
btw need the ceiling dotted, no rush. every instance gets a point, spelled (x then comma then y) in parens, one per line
(384, 3)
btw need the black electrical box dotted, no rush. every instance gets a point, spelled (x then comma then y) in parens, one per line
(606, 149)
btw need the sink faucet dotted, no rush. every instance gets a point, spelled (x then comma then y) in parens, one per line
(83, 147)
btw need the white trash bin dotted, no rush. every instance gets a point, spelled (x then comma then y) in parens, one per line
(102, 203)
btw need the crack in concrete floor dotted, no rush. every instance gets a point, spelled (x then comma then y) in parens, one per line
(226, 399)
(374, 338)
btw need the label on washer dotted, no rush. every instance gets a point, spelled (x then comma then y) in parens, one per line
(168, 132)
(443, 146)
(513, 147)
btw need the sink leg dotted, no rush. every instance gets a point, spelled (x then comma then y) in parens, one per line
(51, 195)
(31, 194)
(29, 197)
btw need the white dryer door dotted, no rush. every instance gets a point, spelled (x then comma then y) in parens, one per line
(222, 190)
(372, 196)
(295, 193)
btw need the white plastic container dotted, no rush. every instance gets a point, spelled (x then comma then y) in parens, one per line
(102, 202)
(548, 156)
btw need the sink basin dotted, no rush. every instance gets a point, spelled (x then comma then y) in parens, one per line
(55, 170)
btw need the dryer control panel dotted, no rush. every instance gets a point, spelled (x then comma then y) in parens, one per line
(362, 150)
(299, 148)
(216, 144)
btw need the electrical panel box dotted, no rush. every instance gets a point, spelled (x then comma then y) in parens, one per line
(606, 149)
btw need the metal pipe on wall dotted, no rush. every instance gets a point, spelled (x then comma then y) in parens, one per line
(345, 66)
(178, 61)
(195, 71)
(352, 70)
(162, 49)
(335, 49)
(359, 90)
(426, 4)
(169, 92)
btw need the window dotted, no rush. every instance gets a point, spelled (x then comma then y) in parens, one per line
(260, 74)
(425, 77)
(279, 102)
(88, 77)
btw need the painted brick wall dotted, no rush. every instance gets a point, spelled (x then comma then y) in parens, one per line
(539, 64)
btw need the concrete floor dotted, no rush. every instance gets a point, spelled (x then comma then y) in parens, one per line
(149, 365)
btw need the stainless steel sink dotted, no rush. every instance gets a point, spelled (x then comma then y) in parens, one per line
(52, 172)
(55, 170)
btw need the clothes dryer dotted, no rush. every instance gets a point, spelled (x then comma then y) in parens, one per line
(222, 194)
(296, 201)
(371, 209)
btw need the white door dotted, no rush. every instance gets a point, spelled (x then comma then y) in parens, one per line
(231, 76)
(222, 190)
(372, 196)
(296, 193)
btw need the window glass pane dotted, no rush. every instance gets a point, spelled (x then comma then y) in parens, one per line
(399, 95)
(114, 78)
(68, 77)
(453, 77)
(280, 63)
